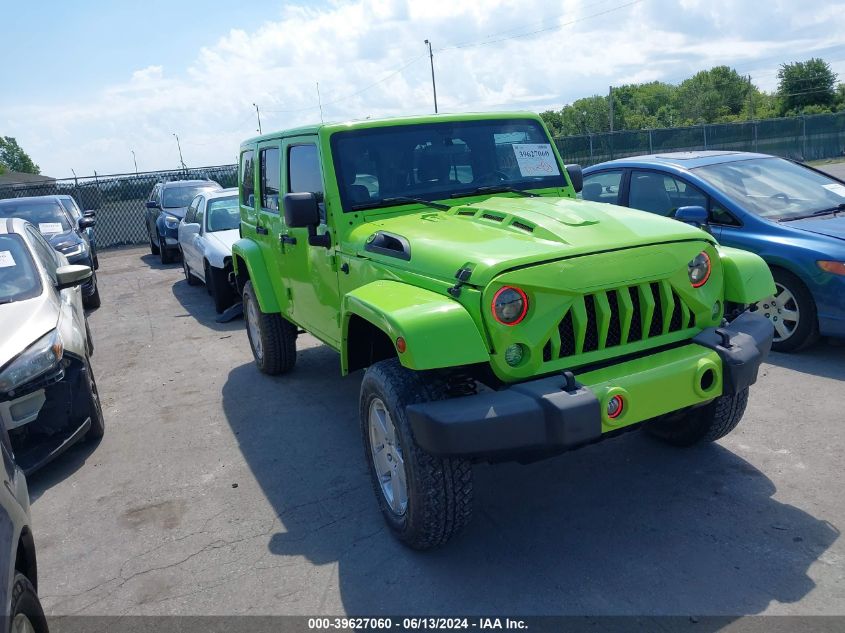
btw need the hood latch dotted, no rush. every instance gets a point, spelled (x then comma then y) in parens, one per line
(463, 275)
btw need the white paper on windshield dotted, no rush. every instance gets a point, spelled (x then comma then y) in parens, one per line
(535, 159)
(50, 227)
(6, 259)
(836, 188)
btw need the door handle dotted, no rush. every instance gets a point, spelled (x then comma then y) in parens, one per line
(261, 230)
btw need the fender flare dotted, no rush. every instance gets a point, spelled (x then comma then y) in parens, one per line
(438, 331)
(747, 276)
(249, 252)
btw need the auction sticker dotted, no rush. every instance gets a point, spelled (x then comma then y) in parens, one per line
(836, 188)
(6, 259)
(535, 159)
(45, 228)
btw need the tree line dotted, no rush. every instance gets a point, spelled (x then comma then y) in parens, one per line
(718, 95)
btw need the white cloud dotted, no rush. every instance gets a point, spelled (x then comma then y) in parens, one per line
(575, 49)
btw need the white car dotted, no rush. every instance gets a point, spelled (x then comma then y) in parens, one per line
(206, 234)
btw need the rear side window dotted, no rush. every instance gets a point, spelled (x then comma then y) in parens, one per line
(248, 178)
(304, 170)
(602, 187)
(270, 177)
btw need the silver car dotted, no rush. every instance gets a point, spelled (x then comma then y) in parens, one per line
(48, 397)
(206, 234)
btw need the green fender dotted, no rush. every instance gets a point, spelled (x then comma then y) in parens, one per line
(438, 331)
(250, 252)
(747, 277)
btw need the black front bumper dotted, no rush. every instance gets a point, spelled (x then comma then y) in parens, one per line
(549, 415)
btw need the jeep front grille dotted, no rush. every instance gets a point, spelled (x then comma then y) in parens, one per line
(618, 317)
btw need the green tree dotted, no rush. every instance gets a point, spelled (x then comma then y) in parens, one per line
(13, 158)
(710, 96)
(803, 84)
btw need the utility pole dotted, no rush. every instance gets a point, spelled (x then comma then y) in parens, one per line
(750, 99)
(134, 161)
(258, 114)
(610, 100)
(179, 145)
(433, 85)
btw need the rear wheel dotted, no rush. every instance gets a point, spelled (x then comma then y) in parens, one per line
(25, 612)
(425, 499)
(189, 276)
(704, 424)
(271, 336)
(792, 312)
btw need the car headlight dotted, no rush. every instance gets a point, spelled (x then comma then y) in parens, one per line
(699, 270)
(509, 305)
(39, 358)
(75, 249)
(171, 221)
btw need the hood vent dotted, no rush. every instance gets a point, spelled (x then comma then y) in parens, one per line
(490, 216)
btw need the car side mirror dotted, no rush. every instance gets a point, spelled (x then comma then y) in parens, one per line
(302, 211)
(72, 275)
(576, 176)
(89, 213)
(86, 222)
(152, 204)
(695, 215)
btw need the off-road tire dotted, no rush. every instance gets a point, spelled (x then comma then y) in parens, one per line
(221, 291)
(703, 424)
(25, 603)
(94, 407)
(439, 489)
(93, 301)
(192, 279)
(277, 334)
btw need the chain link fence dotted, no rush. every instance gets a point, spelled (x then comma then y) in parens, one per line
(808, 137)
(118, 199)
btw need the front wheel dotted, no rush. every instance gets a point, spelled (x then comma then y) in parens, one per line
(25, 612)
(189, 276)
(218, 284)
(425, 499)
(95, 408)
(792, 312)
(93, 300)
(164, 251)
(271, 336)
(709, 423)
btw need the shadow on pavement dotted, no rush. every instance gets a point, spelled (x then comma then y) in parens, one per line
(825, 358)
(60, 468)
(628, 526)
(199, 305)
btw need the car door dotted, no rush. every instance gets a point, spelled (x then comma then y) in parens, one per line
(198, 239)
(311, 270)
(188, 230)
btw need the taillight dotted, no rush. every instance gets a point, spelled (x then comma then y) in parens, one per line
(509, 305)
(699, 270)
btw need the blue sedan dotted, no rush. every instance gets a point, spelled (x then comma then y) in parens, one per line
(792, 215)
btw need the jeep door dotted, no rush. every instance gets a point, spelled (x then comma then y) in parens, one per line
(311, 270)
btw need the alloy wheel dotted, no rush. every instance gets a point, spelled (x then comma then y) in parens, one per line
(387, 457)
(782, 310)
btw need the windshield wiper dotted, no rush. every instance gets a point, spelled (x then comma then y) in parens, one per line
(387, 202)
(834, 210)
(494, 189)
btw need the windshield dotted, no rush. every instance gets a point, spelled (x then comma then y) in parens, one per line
(48, 215)
(19, 279)
(222, 214)
(175, 197)
(435, 161)
(774, 188)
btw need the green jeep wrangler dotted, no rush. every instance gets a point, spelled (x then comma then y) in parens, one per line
(496, 316)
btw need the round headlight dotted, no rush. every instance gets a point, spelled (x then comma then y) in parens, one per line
(699, 270)
(509, 305)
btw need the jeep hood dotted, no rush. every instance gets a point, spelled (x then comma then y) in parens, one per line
(831, 226)
(23, 323)
(502, 233)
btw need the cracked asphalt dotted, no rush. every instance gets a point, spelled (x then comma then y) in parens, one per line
(217, 490)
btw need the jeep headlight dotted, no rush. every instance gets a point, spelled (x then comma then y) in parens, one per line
(699, 270)
(39, 358)
(510, 304)
(171, 221)
(74, 249)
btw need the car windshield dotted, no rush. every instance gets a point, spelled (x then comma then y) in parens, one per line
(222, 214)
(774, 188)
(435, 161)
(19, 279)
(175, 197)
(48, 215)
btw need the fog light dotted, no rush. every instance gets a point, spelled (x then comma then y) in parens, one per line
(514, 354)
(614, 407)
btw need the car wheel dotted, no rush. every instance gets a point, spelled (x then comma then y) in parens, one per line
(221, 291)
(425, 499)
(164, 251)
(792, 312)
(25, 612)
(93, 300)
(95, 409)
(89, 340)
(189, 276)
(153, 246)
(271, 336)
(702, 424)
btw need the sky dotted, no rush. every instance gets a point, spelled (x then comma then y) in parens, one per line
(83, 84)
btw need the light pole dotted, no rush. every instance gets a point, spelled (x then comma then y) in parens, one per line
(179, 145)
(134, 161)
(258, 114)
(433, 85)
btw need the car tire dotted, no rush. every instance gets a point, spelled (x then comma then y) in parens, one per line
(437, 491)
(89, 340)
(709, 423)
(189, 276)
(792, 297)
(154, 249)
(271, 336)
(221, 291)
(164, 252)
(94, 407)
(25, 607)
(92, 301)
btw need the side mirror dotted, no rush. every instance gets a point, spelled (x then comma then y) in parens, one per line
(695, 215)
(86, 222)
(89, 213)
(151, 204)
(301, 210)
(576, 176)
(72, 275)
